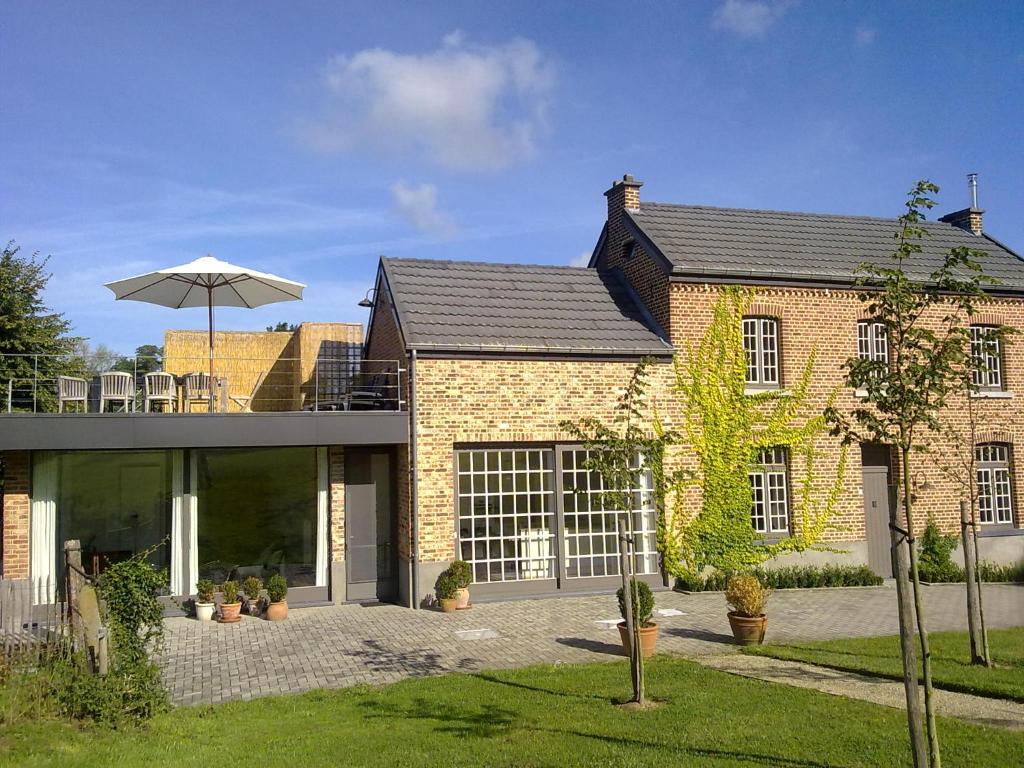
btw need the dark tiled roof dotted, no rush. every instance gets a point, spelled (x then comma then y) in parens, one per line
(730, 242)
(471, 306)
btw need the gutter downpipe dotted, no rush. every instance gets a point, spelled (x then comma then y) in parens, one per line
(413, 491)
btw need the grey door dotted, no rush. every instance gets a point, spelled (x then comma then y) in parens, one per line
(876, 519)
(370, 525)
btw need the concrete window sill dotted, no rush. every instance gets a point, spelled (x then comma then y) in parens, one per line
(995, 394)
(761, 390)
(994, 531)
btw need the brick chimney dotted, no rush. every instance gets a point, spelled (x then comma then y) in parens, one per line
(624, 194)
(968, 218)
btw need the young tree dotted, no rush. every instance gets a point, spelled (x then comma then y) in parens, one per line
(34, 341)
(957, 461)
(928, 349)
(618, 452)
(726, 427)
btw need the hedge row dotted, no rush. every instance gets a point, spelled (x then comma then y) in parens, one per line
(951, 572)
(791, 577)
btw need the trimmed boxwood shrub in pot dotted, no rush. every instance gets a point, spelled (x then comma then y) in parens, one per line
(642, 600)
(446, 588)
(230, 606)
(204, 599)
(747, 598)
(277, 589)
(463, 573)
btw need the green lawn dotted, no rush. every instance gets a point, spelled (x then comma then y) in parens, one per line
(529, 717)
(951, 660)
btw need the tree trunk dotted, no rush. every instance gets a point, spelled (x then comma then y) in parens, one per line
(636, 659)
(905, 611)
(934, 754)
(971, 579)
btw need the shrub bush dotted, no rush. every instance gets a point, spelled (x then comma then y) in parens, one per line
(447, 585)
(277, 588)
(642, 600)
(934, 551)
(252, 586)
(204, 591)
(790, 577)
(463, 573)
(229, 591)
(746, 595)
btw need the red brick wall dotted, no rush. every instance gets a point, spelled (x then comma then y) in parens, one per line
(17, 474)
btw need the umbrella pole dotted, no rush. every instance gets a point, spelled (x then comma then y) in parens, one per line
(209, 306)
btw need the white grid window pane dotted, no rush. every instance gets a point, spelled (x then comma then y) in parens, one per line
(758, 512)
(506, 510)
(985, 496)
(872, 343)
(769, 492)
(591, 528)
(995, 503)
(761, 344)
(986, 354)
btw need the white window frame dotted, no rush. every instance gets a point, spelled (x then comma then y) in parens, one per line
(872, 341)
(987, 352)
(761, 344)
(995, 496)
(769, 488)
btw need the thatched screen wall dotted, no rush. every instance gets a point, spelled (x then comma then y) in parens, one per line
(277, 369)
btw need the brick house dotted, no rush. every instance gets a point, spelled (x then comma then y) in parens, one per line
(499, 355)
(355, 501)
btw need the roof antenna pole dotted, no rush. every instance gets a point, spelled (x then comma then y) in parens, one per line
(972, 184)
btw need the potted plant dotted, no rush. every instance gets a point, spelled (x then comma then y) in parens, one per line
(747, 597)
(642, 600)
(463, 573)
(251, 587)
(447, 586)
(204, 600)
(277, 588)
(230, 605)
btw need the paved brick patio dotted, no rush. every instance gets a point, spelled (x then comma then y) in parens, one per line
(347, 645)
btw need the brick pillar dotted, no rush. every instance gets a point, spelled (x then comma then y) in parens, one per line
(336, 520)
(16, 502)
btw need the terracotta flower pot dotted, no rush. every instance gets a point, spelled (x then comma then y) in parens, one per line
(462, 599)
(748, 630)
(277, 611)
(449, 604)
(230, 612)
(648, 639)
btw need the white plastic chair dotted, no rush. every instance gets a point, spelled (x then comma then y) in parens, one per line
(71, 389)
(117, 387)
(197, 390)
(159, 388)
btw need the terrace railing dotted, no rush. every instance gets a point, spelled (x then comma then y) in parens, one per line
(329, 382)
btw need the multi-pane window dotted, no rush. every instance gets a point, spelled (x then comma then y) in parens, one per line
(992, 464)
(872, 342)
(506, 507)
(986, 354)
(761, 343)
(769, 490)
(591, 525)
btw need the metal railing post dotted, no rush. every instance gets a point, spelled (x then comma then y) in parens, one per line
(35, 383)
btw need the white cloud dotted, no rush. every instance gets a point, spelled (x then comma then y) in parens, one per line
(865, 35)
(417, 204)
(749, 18)
(582, 260)
(462, 106)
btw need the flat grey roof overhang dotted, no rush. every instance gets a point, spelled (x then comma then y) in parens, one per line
(83, 431)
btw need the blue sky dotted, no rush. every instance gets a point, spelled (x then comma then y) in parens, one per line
(306, 139)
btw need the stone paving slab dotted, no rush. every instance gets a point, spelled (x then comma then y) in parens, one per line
(980, 710)
(346, 645)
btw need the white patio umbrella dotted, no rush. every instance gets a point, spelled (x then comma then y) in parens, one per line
(207, 282)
